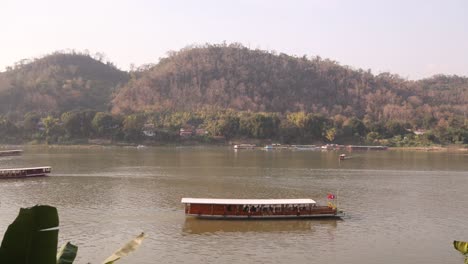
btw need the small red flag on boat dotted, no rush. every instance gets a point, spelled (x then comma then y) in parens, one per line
(331, 196)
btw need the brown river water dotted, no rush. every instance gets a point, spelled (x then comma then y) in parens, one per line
(401, 206)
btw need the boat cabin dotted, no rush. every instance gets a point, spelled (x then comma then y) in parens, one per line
(256, 208)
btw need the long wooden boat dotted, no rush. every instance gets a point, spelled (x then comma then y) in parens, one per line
(257, 208)
(12, 152)
(24, 172)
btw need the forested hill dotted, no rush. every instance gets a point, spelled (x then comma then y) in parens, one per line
(57, 83)
(233, 76)
(228, 76)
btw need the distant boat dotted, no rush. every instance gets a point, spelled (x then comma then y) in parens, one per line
(141, 147)
(257, 208)
(342, 156)
(354, 147)
(304, 147)
(24, 172)
(275, 146)
(13, 152)
(244, 146)
(332, 147)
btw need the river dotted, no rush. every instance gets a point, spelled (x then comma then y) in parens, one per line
(401, 206)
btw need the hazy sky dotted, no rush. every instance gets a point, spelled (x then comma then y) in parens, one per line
(413, 38)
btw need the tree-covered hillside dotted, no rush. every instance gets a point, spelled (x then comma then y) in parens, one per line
(230, 91)
(235, 77)
(229, 77)
(57, 83)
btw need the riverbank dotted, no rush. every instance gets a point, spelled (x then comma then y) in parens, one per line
(451, 148)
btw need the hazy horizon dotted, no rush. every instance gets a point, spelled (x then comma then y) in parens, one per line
(414, 39)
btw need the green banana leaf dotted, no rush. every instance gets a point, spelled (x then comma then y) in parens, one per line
(32, 237)
(125, 250)
(461, 246)
(67, 254)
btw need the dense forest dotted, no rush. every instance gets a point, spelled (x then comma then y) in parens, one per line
(230, 91)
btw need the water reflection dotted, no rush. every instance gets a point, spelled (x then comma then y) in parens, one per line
(206, 226)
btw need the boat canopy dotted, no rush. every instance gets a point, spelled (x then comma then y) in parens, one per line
(246, 201)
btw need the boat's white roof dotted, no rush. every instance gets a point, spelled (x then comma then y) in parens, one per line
(32, 168)
(246, 201)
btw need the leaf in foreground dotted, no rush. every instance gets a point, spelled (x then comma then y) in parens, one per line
(461, 246)
(125, 250)
(32, 237)
(67, 254)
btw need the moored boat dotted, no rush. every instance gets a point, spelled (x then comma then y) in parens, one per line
(305, 147)
(244, 146)
(24, 172)
(275, 146)
(257, 208)
(333, 147)
(12, 152)
(353, 147)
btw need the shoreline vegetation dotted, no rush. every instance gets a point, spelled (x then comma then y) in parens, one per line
(223, 127)
(451, 148)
